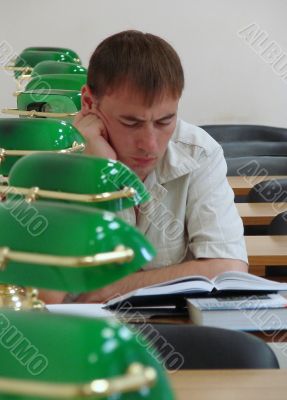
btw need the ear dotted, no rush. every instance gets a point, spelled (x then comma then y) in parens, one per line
(89, 102)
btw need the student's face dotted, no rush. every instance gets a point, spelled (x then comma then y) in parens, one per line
(138, 133)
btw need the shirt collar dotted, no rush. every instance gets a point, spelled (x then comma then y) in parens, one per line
(175, 163)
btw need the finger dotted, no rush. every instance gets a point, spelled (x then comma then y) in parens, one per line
(86, 122)
(88, 298)
(93, 120)
(79, 116)
(52, 296)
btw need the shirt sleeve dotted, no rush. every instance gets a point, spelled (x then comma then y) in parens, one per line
(214, 227)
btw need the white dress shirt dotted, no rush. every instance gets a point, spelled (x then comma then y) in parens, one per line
(191, 213)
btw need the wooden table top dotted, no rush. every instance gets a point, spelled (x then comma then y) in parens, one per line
(242, 184)
(259, 213)
(264, 384)
(267, 250)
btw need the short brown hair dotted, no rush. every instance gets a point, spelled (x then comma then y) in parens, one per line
(144, 61)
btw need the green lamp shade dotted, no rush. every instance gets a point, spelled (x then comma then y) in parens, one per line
(20, 136)
(29, 58)
(62, 102)
(100, 244)
(68, 52)
(55, 67)
(41, 348)
(80, 174)
(57, 81)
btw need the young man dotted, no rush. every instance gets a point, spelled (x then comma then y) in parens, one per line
(129, 113)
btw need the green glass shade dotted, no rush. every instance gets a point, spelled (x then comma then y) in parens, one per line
(30, 58)
(52, 101)
(56, 349)
(54, 67)
(81, 174)
(68, 52)
(63, 230)
(57, 81)
(34, 135)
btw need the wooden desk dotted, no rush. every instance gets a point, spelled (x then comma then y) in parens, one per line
(242, 184)
(267, 250)
(246, 384)
(259, 213)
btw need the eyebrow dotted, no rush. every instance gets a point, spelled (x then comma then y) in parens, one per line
(132, 118)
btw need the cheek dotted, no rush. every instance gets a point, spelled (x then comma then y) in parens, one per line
(119, 138)
(165, 137)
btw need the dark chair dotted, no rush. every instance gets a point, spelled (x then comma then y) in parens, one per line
(254, 148)
(256, 165)
(268, 192)
(278, 226)
(196, 347)
(240, 133)
(245, 145)
(271, 191)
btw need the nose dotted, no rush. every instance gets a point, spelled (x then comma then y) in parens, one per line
(147, 140)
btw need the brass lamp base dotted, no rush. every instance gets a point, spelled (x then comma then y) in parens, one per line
(19, 298)
(3, 180)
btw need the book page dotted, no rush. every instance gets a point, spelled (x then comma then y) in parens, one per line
(178, 286)
(88, 310)
(236, 280)
(254, 302)
(182, 279)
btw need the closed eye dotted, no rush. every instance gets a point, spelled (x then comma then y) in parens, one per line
(165, 121)
(131, 124)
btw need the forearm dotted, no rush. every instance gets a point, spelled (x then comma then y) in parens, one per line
(207, 267)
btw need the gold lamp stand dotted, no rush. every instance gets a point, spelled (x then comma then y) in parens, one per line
(19, 298)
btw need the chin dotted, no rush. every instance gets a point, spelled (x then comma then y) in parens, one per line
(142, 174)
(140, 171)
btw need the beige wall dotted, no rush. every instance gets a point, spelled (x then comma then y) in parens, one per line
(227, 81)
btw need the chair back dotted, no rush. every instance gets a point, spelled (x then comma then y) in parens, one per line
(198, 347)
(278, 226)
(268, 192)
(256, 165)
(246, 133)
(252, 149)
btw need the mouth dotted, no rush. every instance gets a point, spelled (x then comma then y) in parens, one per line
(144, 160)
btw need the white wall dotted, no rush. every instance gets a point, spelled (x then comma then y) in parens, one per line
(226, 80)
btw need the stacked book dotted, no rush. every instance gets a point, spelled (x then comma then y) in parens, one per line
(262, 312)
(235, 300)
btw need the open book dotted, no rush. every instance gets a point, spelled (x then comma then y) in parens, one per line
(181, 288)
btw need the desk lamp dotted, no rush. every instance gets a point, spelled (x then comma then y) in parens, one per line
(57, 81)
(55, 67)
(61, 104)
(67, 357)
(23, 136)
(65, 247)
(68, 52)
(77, 178)
(49, 356)
(84, 181)
(28, 59)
